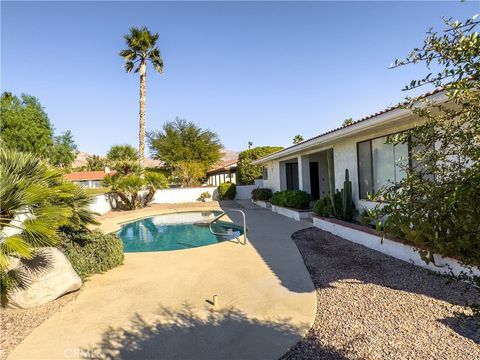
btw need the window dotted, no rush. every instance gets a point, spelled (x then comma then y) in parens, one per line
(265, 173)
(292, 176)
(380, 164)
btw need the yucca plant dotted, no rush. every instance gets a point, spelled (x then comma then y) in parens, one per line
(35, 202)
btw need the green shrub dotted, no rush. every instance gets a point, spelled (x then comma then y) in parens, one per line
(323, 207)
(295, 199)
(261, 194)
(246, 172)
(92, 252)
(204, 196)
(227, 191)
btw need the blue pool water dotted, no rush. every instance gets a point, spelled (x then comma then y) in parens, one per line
(175, 232)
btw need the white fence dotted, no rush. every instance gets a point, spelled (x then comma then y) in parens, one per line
(103, 203)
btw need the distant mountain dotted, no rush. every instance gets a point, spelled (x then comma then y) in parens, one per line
(81, 159)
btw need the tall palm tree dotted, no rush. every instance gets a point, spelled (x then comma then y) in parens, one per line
(141, 48)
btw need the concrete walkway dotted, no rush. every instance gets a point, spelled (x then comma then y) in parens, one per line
(157, 305)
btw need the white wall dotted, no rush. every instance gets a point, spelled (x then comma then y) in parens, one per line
(244, 192)
(273, 181)
(182, 195)
(101, 204)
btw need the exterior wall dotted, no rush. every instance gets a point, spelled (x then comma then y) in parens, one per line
(89, 184)
(101, 204)
(221, 177)
(291, 213)
(182, 195)
(273, 181)
(244, 192)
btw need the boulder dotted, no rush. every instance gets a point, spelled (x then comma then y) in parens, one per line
(44, 278)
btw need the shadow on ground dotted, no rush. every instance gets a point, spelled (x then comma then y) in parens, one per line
(185, 334)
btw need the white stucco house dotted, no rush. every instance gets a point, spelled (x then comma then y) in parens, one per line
(224, 172)
(359, 147)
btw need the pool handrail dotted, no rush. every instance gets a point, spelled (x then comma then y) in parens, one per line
(224, 212)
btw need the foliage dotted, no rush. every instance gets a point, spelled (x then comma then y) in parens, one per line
(246, 172)
(227, 191)
(123, 158)
(141, 49)
(297, 139)
(128, 187)
(347, 122)
(204, 196)
(25, 127)
(96, 163)
(296, 199)
(64, 150)
(435, 206)
(189, 173)
(348, 206)
(92, 252)
(261, 194)
(185, 148)
(323, 207)
(36, 203)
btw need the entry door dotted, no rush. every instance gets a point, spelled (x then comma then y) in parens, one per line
(291, 170)
(314, 180)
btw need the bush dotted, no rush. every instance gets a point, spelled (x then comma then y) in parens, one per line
(227, 191)
(323, 207)
(92, 252)
(295, 199)
(204, 196)
(246, 172)
(261, 194)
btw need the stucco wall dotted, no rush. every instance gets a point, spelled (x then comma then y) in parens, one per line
(101, 204)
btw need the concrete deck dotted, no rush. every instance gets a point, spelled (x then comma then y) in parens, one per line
(157, 305)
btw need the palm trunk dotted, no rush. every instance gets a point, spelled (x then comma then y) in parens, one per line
(143, 98)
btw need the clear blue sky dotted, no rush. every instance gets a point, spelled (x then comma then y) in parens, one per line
(253, 71)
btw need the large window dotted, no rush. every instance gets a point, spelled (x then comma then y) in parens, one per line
(380, 164)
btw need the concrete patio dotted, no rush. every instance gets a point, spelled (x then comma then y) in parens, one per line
(158, 304)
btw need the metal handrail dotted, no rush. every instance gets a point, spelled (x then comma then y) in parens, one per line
(225, 213)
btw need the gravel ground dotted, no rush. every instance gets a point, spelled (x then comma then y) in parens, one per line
(15, 324)
(372, 306)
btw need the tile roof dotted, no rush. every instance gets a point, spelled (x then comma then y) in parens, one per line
(88, 175)
(225, 165)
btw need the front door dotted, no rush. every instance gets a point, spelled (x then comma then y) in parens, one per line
(291, 170)
(314, 180)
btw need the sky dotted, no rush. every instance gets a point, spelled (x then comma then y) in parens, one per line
(250, 71)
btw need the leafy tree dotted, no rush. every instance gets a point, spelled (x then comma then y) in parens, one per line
(63, 151)
(246, 172)
(123, 158)
(435, 206)
(141, 48)
(297, 139)
(181, 142)
(36, 203)
(96, 163)
(25, 125)
(347, 122)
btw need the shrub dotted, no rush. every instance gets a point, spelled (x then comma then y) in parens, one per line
(323, 207)
(261, 194)
(227, 191)
(246, 172)
(295, 199)
(92, 252)
(204, 196)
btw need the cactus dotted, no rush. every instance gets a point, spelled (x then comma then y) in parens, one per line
(348, 208)
(331, 180)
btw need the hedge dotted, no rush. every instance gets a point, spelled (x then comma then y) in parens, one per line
(246, 172)
(296, 199)
(227, 191)
(261, 194)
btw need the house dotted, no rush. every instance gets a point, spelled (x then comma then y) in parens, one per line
(224, 172)
(89, 179)
(359, 147)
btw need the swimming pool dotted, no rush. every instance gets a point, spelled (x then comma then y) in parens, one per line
(176, 231)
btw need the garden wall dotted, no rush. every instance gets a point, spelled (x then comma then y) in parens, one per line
(101, 204)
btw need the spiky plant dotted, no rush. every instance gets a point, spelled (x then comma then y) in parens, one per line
(36, 202)
(141, 48)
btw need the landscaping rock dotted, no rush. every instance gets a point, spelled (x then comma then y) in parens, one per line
(44, 278)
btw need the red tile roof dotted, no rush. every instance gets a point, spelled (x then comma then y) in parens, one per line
(225, 165)
(88, 175)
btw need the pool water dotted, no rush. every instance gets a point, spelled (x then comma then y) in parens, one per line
(175, 232)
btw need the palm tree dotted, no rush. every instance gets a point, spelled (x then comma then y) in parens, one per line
(36, 203)
(297, 139)
(142, 47)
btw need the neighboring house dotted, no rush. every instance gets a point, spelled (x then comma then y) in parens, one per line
(359, 147)
(89, 179)
(225, 172)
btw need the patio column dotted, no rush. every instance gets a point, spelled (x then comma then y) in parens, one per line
(304, 173)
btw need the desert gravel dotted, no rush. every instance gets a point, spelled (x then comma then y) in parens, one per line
(15, 324)
(372, 306)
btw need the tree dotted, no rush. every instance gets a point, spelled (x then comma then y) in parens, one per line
(297, 139)
(96, 163)
(347, 122)
(123, 158)
(246, 172)
(435, 206)
(64, 150)
(141, 48)
(181, 142)
(25, 125)
(36, 203)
